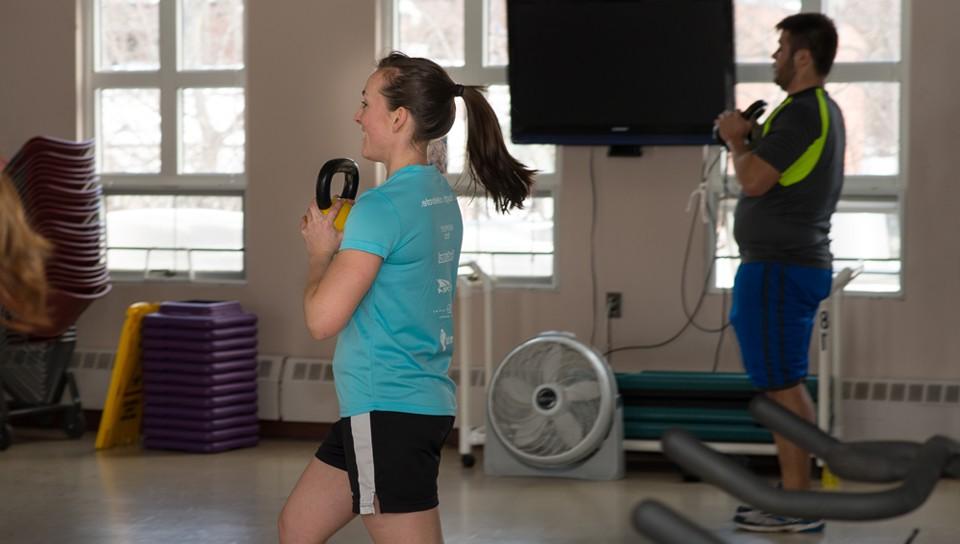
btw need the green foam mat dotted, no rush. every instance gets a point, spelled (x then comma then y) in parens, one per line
(642, 430)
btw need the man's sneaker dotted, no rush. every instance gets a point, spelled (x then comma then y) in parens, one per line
(745, 512)
(763, 522)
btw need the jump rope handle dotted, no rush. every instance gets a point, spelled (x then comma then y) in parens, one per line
(351, 183)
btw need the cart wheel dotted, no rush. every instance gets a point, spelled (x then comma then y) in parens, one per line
(468, 460)
(74, 422)
(6, 436)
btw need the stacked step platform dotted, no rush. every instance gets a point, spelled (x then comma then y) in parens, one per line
(711, 405)
(200, 377)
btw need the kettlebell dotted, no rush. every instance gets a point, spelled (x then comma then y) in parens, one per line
(752, 113)
(351, 182)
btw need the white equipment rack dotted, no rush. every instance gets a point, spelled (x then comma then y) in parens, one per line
(471, 435)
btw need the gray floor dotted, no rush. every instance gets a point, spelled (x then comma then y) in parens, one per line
(55, 490)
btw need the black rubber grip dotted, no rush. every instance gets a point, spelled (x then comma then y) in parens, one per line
(351, 182)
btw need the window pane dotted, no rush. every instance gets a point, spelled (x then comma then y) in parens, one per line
(516, 244)
(213, 131)
(755, 24)
(212, 33)
(869, 29)
(431, 29)
(128, 35)
(129, 131)
(167, 223)
(747, 93)
(863, 234)
(497, 54)
(454, 143)
(871, 112)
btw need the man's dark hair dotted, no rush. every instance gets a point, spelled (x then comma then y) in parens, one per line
(816, 33)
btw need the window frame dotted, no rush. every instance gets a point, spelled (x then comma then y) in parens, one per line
(475, 71)
(878, 188)
(170, 81)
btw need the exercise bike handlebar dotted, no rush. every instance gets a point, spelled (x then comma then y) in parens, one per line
(664, 526)
(921, 478)
(880, 461)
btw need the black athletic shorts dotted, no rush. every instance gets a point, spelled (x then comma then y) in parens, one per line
(393, 455)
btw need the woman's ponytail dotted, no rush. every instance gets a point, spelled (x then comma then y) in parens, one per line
(427, 92)
(507, 181)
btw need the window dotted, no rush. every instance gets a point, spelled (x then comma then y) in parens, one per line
(867, 81)
(164, 96)
(469, 39)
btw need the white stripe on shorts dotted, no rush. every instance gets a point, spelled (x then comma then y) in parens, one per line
(363, 451)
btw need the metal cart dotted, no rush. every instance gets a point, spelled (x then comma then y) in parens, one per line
(33, 376)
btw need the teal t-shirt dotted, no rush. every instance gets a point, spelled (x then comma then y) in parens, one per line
(394, 354)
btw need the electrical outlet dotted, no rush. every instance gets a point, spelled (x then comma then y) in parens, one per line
(614, 305)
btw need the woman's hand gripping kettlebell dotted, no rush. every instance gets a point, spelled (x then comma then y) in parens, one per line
(320, 235)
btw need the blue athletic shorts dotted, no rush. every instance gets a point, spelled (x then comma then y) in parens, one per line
(774, 306)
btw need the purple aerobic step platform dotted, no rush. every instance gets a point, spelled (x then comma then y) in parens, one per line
(158, 367)
(203, 436)
(157, 389)
(226, 344)
(159, 320)
(199, 335)
(153, 377)
(198, 357)
(200, 402)
(197, 447)
(152, 422)
(201, 307)
(200, 414)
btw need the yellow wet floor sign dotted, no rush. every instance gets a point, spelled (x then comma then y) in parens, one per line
(123, 409)
(828, 480)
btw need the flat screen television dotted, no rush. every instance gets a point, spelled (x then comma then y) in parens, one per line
(619, 72)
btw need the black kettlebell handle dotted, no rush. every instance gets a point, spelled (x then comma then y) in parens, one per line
(752, 113)
(351, 181)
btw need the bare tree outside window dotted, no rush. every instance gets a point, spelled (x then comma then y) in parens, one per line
(212, 34)
(432, 29)
(213, 130)
(129, 35)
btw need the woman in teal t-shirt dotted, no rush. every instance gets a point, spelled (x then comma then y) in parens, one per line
(385, 287)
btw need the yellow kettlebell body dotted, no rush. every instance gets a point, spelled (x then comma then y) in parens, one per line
(341, 219)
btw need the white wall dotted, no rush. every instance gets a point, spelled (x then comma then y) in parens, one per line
(307, 62)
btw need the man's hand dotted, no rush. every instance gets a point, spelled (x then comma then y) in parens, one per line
(733, 128)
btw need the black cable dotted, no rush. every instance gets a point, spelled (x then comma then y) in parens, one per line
(693, 222)
(593, 252)
(686, 259)
(714, 221)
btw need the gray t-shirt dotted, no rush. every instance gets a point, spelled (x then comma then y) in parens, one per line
(804, 139)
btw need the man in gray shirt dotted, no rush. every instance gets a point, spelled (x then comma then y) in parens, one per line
(791, 181)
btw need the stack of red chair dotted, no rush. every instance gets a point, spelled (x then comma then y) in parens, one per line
(62, 197)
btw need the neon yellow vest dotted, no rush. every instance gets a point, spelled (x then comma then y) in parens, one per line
(802, 167)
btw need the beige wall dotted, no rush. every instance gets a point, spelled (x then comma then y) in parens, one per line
(307, 61)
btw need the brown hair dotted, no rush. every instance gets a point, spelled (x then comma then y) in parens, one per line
(427, 92)
(816, 33)
(23, 284)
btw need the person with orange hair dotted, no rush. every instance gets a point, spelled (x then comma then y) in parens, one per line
(23, 285)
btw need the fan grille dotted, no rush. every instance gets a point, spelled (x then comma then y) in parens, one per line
(547, 401)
